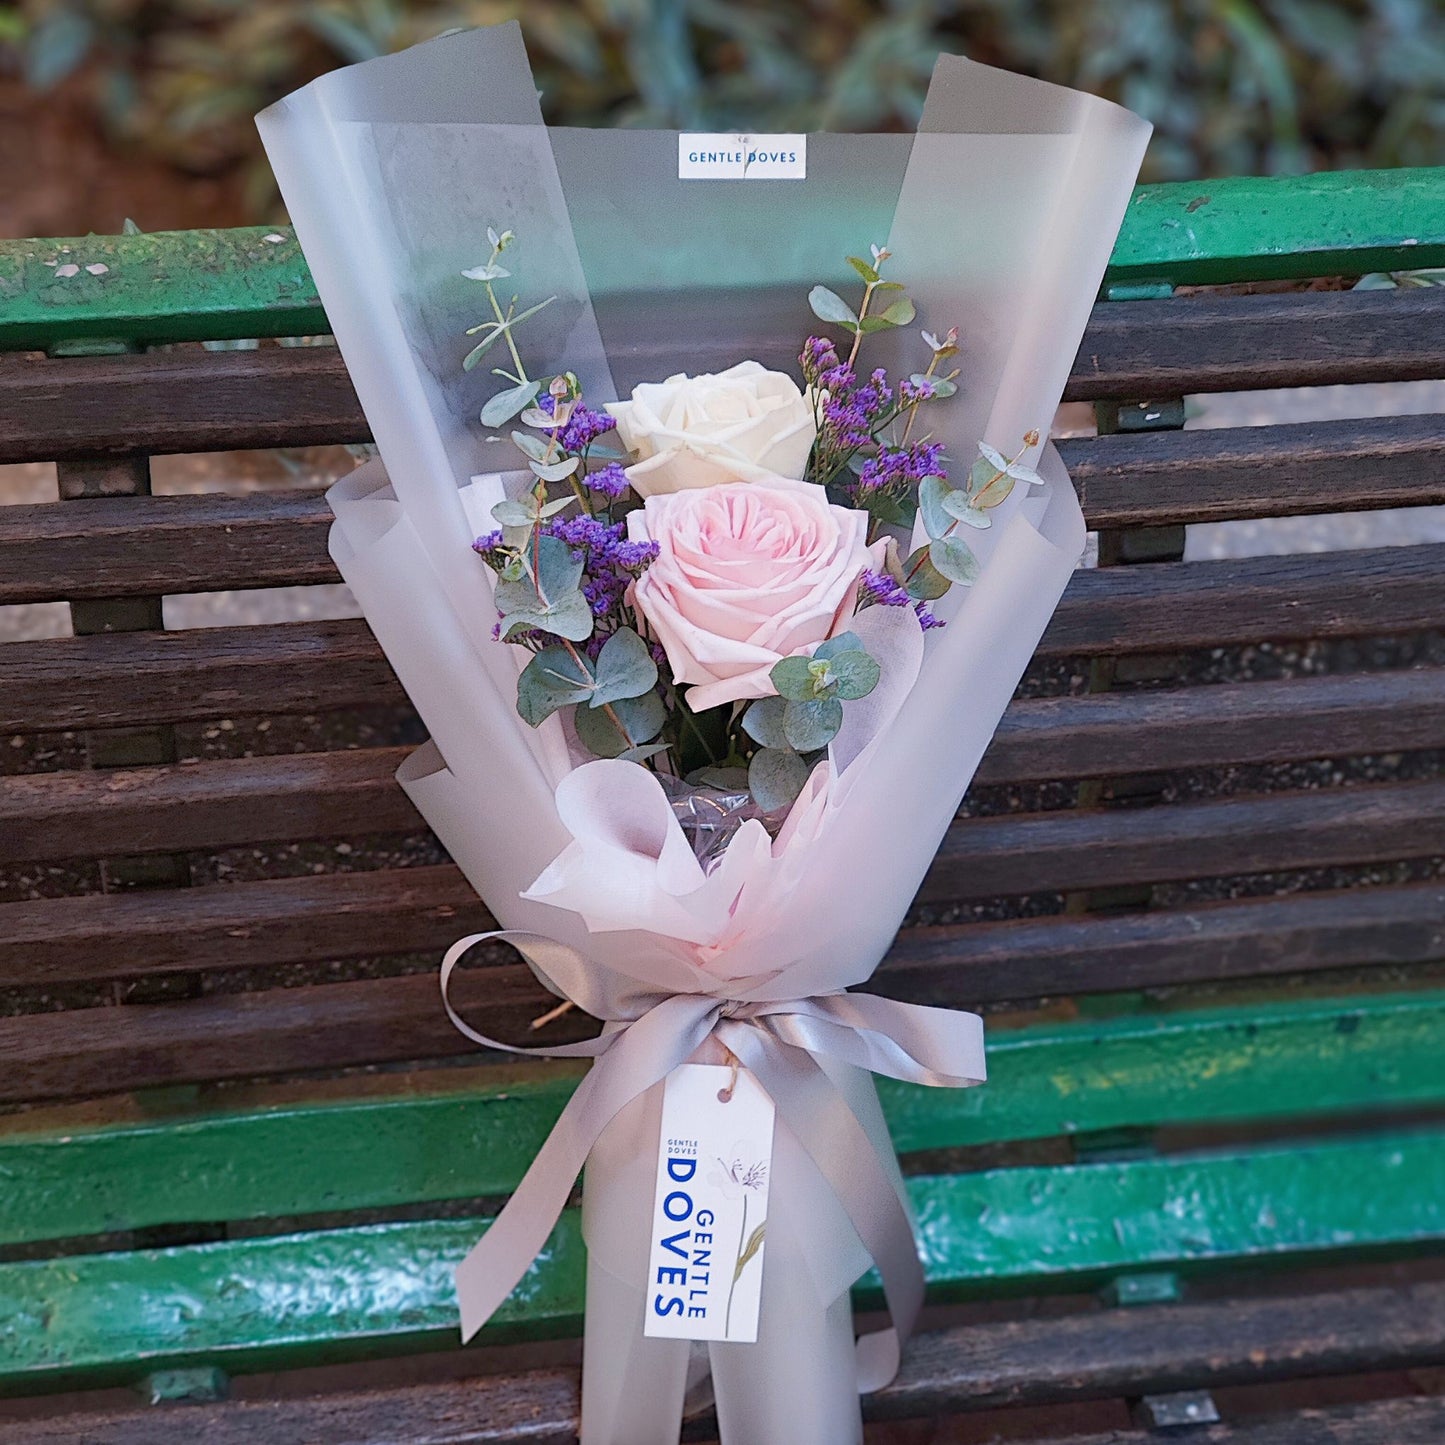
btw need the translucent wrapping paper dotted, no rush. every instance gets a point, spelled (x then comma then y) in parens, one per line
(1001, 213)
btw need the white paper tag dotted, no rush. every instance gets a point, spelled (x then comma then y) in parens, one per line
(705, 1275)
(739, 157)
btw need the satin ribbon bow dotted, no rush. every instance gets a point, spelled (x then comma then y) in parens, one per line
(778, 1042)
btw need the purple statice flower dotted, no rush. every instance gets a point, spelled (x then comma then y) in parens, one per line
(912, 391)
(583, 427)
(818, 355)
(900, 468)
(610, 563)
(489, 542)
(878, 589)
(610, 480)
(853, 413)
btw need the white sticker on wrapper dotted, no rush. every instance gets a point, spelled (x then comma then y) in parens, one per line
(715, 1155)
(740, 157)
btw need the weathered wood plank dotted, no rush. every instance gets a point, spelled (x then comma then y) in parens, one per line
(472, 1134)
(295, 396)
(136, 546)
(176, 401)
(203, 805)
(1108, 735)
(280, 1031)
(46, 817)
(284, 1299)
(1100, 1355)
(1135, 350)
(1147, 479)
(305, 667)
(1067, 851)
(139, 546)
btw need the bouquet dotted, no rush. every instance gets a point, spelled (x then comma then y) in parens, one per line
(709, 659)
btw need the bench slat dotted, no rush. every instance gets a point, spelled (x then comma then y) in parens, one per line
(302, 396)
(210, 544)
(1102, 1354)
(1149, 479)
(223, 672)
(475, 1135)
(371, 914)
(47, 817)
(253, 281)
(118, 1315)
(95, 1051)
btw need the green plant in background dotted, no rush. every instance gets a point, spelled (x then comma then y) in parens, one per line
(1232, 86)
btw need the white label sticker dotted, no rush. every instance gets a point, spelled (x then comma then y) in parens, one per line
(705, 1275)
(742, 157)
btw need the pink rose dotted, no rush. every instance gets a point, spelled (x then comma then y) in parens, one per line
(747, 574)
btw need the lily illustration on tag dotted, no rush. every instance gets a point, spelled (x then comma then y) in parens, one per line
(738, 1180)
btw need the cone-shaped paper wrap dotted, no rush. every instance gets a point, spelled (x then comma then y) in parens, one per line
(1000, 214)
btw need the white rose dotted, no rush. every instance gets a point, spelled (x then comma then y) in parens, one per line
(701, 431)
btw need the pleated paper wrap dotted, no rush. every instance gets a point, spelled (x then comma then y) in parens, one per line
(1001, 213)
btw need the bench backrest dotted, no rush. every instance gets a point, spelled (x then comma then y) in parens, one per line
(184, 1073)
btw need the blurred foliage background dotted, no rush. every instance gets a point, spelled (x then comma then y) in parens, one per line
(143, 107)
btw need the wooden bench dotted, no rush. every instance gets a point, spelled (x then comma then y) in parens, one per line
(1193, 887)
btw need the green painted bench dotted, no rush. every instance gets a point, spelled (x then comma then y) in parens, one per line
(1196, 887)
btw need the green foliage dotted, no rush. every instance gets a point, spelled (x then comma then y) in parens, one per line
(1234, 87)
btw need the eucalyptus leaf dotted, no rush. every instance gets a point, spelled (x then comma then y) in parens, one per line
(763, 722)
(793, 678)
(641, 754)
(536, 417)
(552, 679)
(921, 579)
(641, 719)
(863, 268)
(870, 324)
(506, 404)
(843, 642)
(933, 502)
(558, 571)
(900, 312)
(888, 508)
(952, 557)
(730, 780)
(811, 725)
(556, 471)
(514, 514)
(570, 616)
(624, 668)
(489, 271)
(516, 538)
(775, 778)
(855, 674)
(829, 306)
(958, 506)
(470, 360)
(529, 445)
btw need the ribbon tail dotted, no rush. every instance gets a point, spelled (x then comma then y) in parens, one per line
(637, 1058)
(828, 1129)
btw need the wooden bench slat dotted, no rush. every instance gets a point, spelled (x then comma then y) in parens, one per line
(210, 544)
(46, 817)
(1150, 479)
(371, 914)
(1098, 1355)
(291, 1030)
(119, 1315)
(1134, 350)
(1069, 850)
(253, 281)
(476, 1135)
(137, 678)
(141, 546)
